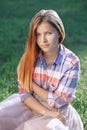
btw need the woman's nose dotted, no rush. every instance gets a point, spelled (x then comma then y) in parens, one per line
(43, 39)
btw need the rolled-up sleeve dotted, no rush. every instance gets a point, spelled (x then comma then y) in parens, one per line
(22, 92)
(65, 91)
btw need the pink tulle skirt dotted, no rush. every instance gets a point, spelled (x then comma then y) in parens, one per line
(14, 115)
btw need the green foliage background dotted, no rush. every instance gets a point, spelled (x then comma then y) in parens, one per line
(15, 16)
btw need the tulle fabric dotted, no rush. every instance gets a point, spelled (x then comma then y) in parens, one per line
(14, 115)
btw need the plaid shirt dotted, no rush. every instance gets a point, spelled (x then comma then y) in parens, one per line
(59, 79)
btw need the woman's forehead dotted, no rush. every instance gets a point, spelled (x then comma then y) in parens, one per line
(45, 26)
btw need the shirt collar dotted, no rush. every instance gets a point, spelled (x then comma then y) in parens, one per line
(60, 55)
(58, 59)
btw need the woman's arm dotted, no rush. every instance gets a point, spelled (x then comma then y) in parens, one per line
(36, 106)
(65, 92)
(30, 101)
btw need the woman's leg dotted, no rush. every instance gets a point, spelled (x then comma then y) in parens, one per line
(73, 119)
(42, 123)
(13, 113)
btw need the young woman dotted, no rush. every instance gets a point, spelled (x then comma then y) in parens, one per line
(48, 73)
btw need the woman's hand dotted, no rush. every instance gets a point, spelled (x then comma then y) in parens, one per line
(57, 115)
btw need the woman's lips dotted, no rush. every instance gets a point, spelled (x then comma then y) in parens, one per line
(46, 45)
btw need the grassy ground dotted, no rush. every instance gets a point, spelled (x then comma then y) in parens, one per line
(14, 25)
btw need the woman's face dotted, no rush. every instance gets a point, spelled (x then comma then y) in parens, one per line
(47, 37)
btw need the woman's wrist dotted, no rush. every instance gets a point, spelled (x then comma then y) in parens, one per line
(46, 112)
(43, 112)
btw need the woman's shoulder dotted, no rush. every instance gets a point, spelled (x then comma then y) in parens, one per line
(70, 55)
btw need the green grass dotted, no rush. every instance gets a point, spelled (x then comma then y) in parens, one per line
(15, 17)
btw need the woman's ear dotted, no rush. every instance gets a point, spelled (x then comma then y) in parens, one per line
(60, 39)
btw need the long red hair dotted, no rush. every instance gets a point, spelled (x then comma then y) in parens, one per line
(26, 64)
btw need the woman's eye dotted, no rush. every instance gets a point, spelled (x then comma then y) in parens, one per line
(49, 33)
(37, 34)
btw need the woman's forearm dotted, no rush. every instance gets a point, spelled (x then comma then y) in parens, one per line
(36, 106)
(40, 92)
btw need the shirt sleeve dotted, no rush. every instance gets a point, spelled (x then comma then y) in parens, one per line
(22, 92)
(65, 92)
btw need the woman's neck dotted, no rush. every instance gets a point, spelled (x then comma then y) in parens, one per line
(50, 57)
